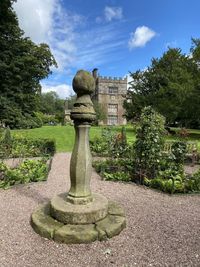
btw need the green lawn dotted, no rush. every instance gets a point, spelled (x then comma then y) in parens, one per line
(64, 135)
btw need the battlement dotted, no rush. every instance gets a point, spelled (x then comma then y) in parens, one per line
(108, 78)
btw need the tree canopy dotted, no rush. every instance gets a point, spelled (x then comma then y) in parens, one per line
(51, 104)
(171, 85)
(22, 65)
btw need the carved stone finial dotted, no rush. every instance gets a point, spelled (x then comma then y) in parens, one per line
(83, 85)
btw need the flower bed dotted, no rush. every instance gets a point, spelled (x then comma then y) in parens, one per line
(24, 171)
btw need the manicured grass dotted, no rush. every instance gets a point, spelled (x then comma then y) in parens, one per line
(194, 136)
(97, 131)
(64, 135)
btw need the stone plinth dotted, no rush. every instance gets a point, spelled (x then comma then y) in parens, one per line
(80, 216)
(45, 225)
(68, 213)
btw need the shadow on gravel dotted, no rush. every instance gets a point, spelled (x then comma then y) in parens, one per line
(31, 193)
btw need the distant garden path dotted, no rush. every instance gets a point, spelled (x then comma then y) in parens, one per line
(162, 230)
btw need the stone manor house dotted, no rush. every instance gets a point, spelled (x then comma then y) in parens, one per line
(111, 93)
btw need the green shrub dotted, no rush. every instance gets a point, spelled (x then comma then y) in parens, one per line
(111, 144)
(175, 182)
(100, 165)
(27, 147)
(27, 171)
(179, 149)
(192, 184)
(149, 144)
(47, 119)
(26, 121)
(113, 169)
(5, 142)
(171, 185)
(99, 146)
(116, 176)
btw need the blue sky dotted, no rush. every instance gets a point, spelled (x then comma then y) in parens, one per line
(115, 36)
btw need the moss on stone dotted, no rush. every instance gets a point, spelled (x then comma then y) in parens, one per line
(112, 225)
(44, 224)
(72, 234)
(48, 227)
(115, 209)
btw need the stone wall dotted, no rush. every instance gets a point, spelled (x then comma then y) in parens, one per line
(108, 99)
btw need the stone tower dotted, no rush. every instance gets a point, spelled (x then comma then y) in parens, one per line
(111, 93)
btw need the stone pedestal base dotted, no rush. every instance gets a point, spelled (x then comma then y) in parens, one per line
(61, 222)
(68, 213)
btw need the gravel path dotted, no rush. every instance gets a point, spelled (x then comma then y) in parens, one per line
(162, 230)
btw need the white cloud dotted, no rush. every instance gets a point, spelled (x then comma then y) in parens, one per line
(35, 18)
(63, 90)
(72, 40)
(47, 21)
(141, 36)
(113, 13)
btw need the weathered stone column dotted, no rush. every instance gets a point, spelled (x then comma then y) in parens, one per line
(81, 161)
(80, 216)
(80, 167)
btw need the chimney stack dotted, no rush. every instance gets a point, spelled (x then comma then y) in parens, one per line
(95, 73)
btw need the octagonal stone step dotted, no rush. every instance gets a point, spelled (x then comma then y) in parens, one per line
(48, 227)
(69, 213)
(43, 223)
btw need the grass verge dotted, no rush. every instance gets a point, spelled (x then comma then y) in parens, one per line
(64, 135)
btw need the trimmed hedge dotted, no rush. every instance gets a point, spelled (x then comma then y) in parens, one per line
(27, 147)
(33, 147)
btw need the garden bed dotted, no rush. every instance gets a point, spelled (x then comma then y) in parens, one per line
(21, 171)
(15, 162)
(23, 160)
(150, 160)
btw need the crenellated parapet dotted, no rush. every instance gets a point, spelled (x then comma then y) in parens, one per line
(108, 78)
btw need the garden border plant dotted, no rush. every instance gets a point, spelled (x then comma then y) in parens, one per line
(27, 170)
(117, 161)
(146, 163)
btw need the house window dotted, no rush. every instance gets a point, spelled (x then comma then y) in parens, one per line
(112, 120)
(112, 97)
(112, 108)
(112, 90)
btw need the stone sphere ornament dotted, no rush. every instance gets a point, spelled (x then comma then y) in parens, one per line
(80, 216)
(83, 83)
(83, 110)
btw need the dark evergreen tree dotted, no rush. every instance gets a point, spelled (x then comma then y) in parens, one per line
(22, 65)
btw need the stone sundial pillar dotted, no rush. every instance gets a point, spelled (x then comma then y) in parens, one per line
(79, 216)
(81, 161)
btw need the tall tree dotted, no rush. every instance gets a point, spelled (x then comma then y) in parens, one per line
(51, 104)
(168, 85)
(22, 65)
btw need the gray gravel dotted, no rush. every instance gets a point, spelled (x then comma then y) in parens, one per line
(162, 230)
